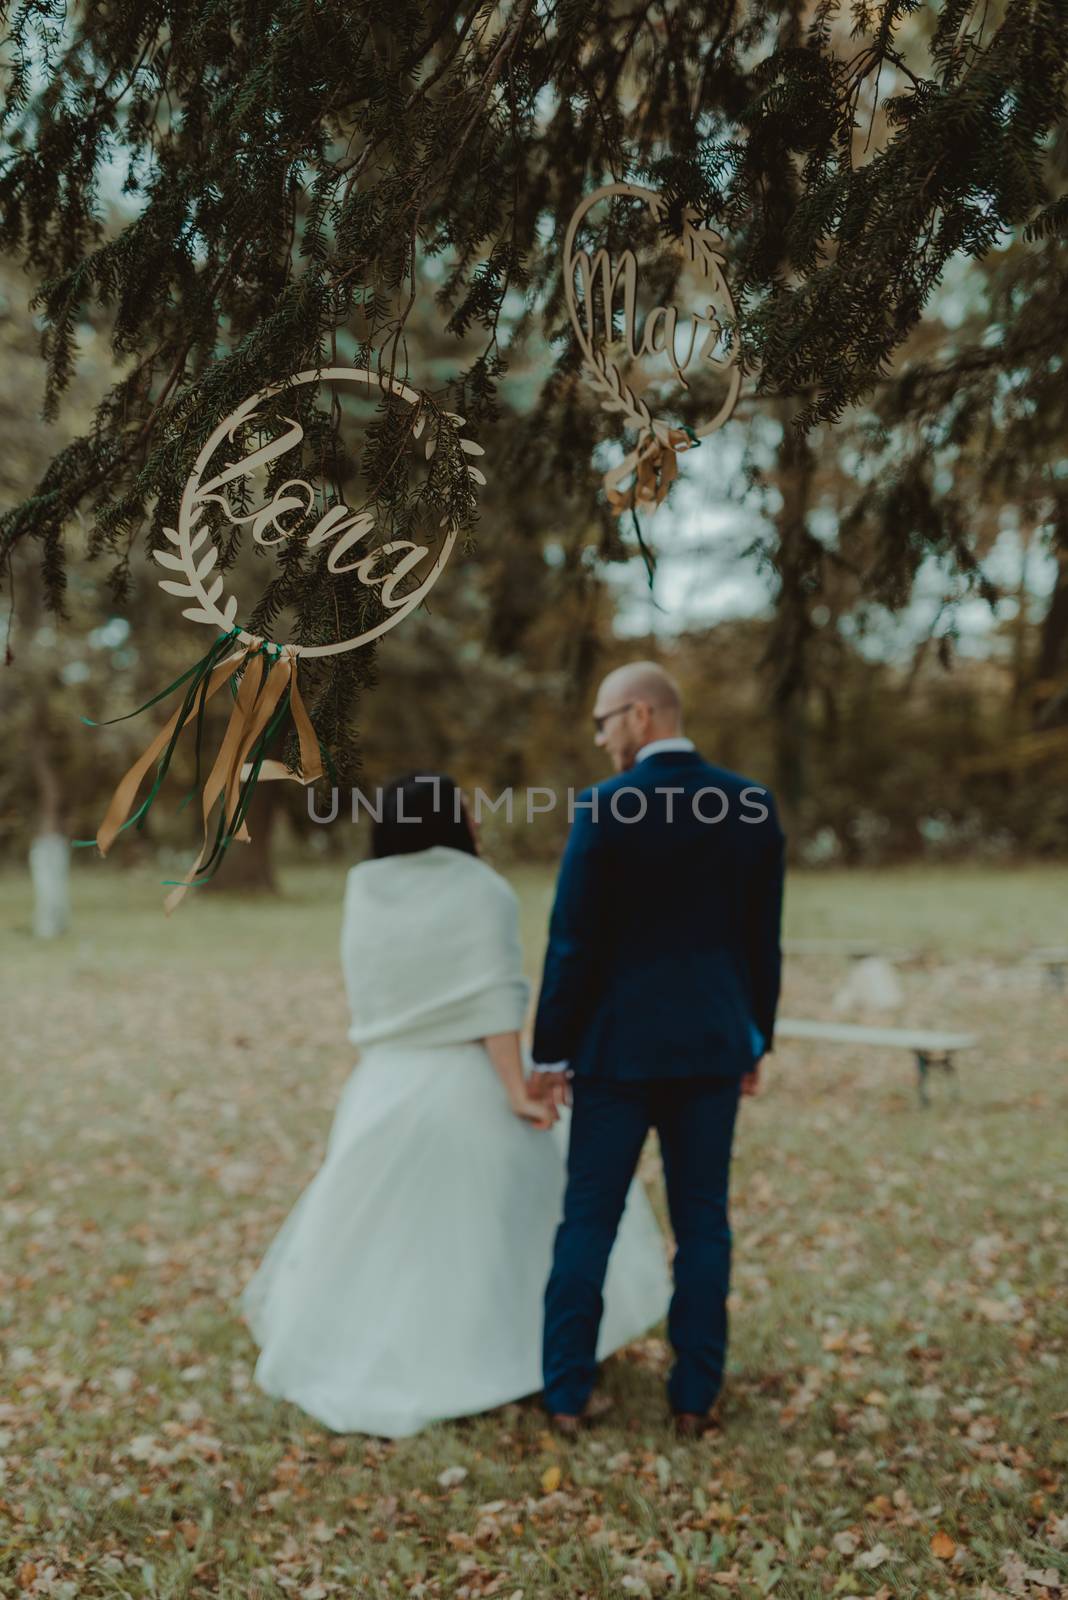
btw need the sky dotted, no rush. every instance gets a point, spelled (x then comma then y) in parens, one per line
(706, 571)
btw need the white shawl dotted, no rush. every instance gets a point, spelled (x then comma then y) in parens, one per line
(430, 950)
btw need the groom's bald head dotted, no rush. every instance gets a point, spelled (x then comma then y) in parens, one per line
(635, 704)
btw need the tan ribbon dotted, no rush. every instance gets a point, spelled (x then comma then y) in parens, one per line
(654, 463)
(126, 791)
(255, 703)
(311, 761)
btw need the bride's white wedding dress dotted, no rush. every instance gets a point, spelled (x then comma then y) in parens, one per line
(406, 1285)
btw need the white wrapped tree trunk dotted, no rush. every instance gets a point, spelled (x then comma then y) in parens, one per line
(872, 985)
(50, 871)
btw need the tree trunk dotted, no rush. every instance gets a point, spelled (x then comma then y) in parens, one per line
(50, 871)
(250, 867)
(1051, 686)
(50, 850)
(1022, 634)
(797, 561)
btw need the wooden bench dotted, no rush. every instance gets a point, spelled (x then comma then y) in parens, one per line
(929, 1047)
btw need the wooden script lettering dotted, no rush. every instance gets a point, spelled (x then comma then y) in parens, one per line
(385, 567)
(598, 288)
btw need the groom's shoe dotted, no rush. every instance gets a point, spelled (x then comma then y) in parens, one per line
(567, 1424)
(694, 1424)
(691, 1425)
(596, 1409)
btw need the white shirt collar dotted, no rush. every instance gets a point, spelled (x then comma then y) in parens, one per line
(655, 746)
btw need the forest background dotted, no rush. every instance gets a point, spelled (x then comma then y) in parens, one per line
(861, 583)
(930, 725)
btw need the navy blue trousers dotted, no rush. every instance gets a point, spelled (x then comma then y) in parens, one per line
(694, 1118)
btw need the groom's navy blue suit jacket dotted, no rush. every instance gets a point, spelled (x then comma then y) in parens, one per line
(664, 937)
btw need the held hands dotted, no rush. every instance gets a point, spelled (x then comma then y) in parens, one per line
(554, 1088)
(506, 1054)
(526, 1104)
(751, 1080)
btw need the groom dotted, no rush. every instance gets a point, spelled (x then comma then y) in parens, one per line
(658, 997)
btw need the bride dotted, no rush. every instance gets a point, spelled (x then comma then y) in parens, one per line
(406, 1285)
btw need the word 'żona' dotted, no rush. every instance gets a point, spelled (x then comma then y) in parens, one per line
(296, 498)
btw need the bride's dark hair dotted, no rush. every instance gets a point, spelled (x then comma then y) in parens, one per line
(419, 810)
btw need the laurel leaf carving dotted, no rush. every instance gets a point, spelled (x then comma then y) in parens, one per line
(165, 559)
(205, 586)
(606, 378)
(195, 572)
(705, 249)
(703, 246)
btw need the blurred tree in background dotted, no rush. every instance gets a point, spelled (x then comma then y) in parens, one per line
(207, 199)
(493, 679)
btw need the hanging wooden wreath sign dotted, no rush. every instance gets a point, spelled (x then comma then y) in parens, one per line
(263, 673)
(602, 293)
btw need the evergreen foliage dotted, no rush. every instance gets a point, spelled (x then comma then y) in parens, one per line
(287, 167)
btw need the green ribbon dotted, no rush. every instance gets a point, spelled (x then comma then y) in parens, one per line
(228, 828)
(198, 676)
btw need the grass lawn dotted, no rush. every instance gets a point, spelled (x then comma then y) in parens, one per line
(896, 1402)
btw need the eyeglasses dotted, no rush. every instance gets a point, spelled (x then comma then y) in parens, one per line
(599, 722)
